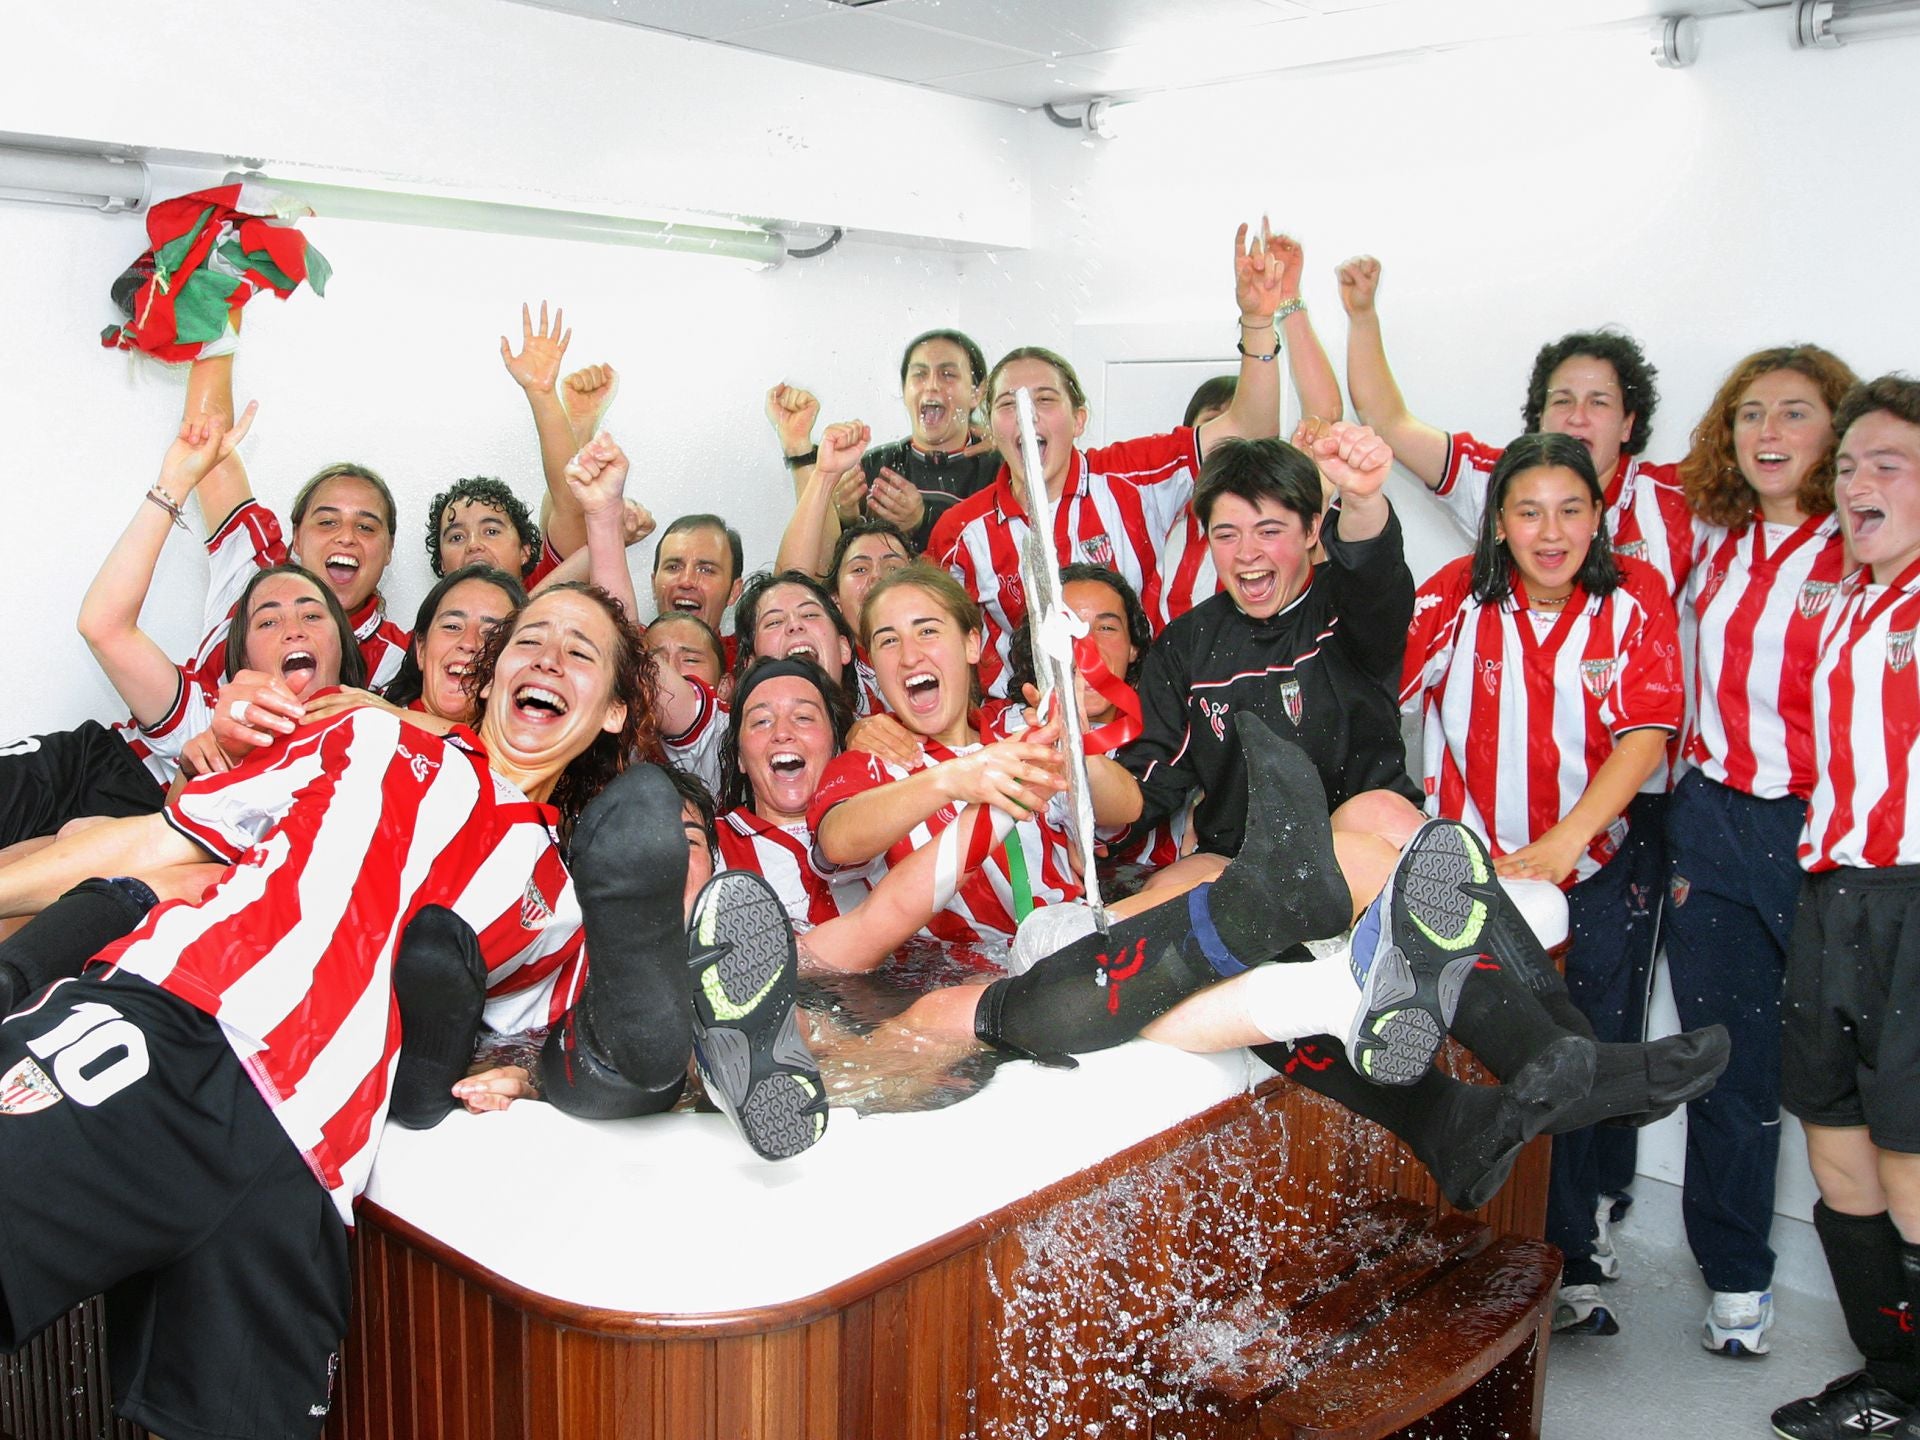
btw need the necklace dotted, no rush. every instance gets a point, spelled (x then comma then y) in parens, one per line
(1548, 604)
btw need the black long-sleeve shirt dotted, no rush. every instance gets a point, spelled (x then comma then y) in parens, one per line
(1322, 673)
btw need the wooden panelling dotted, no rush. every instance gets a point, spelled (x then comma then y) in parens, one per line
(1045, 1309)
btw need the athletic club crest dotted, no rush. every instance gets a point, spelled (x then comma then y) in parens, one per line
(25, 1088)
(1678, 888)
(535, 913)
(1597, 676)
(1717, 577)
(1216, 713)
(1632, 549)
(1013, 595)
(1899, 650)
(1815, 596)
(1489, 672)
(1098, 550)
(1290, 697)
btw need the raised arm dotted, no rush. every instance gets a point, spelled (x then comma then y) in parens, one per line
(792, 413)
(1266, 274)
(1376, 394)
(110, 614)
(210, 399)
(586, 395)
(815, 526)
(536, 370)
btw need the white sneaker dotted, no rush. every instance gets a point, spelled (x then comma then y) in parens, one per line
(1604, 1255)
(1579, 1310)
(1737, 1322)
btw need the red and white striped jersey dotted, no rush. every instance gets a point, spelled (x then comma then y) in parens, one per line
(697, 751)
(1518, 719)
(1648, 517)
(1757, 600)
(783, 855)
(983, 904)
(1866, 729)
(250, 540)
(1115, 509)
(335, 838)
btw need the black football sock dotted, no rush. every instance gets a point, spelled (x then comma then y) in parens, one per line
(440, 986)
(1284, 887)
(1468, 1136)
(61, 939)
(634, 1019)
(1864, 1254)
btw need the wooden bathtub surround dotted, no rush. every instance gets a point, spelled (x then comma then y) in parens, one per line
(1068, 1305)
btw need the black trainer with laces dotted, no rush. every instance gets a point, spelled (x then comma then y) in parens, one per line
(746, 1035)
(1850, 1407)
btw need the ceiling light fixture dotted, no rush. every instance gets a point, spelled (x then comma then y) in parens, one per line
(447, 212)
(1676, 41)
(1098, 117)
(1827, 24)
(52, 177)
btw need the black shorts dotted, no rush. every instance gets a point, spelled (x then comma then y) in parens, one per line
(47, 780)
(1851, 1048)
(137, 1159)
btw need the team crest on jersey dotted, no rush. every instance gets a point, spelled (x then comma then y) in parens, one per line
(535, 913)
(1717, 577)
(1632, 549)
(26, 1088)
(1899, 650)
(1099, 550)
(1216, 713)
(1013, 595)
(1678, 888)
(1815, 596)
(1489, 672)
(1290, 697)
(421, 766)
(1597, 676)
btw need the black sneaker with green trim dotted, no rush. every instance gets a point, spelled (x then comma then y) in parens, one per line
(747, 1039)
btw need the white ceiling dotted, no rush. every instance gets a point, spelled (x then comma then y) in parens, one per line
(1026, 52)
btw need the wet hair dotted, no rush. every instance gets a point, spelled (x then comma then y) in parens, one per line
(693, 791)
(1638, 395)
(484, 490)
(708, 635)
(634, 686)
(1710, 473)
(303, 499)
(1076, 394)
(1139, 630)
(1256, 470)
(705, 522)
(1898, 395)
(859, 530)
(408, 683)
(976, 358)
(1493, 568)
(735, 791)
(961, 607)
(353, 665)
(746, 615)
(1217, 391)
(946, 591)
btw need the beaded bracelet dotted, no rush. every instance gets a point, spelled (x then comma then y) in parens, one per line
(166, 503)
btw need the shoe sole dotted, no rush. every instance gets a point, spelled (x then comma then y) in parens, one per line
(747, 1038)
(1569, 1320)
(1412, 985)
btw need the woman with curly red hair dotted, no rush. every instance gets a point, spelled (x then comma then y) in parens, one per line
(1759, 478)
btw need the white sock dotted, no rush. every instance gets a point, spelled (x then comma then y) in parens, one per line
(1292, 1000)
